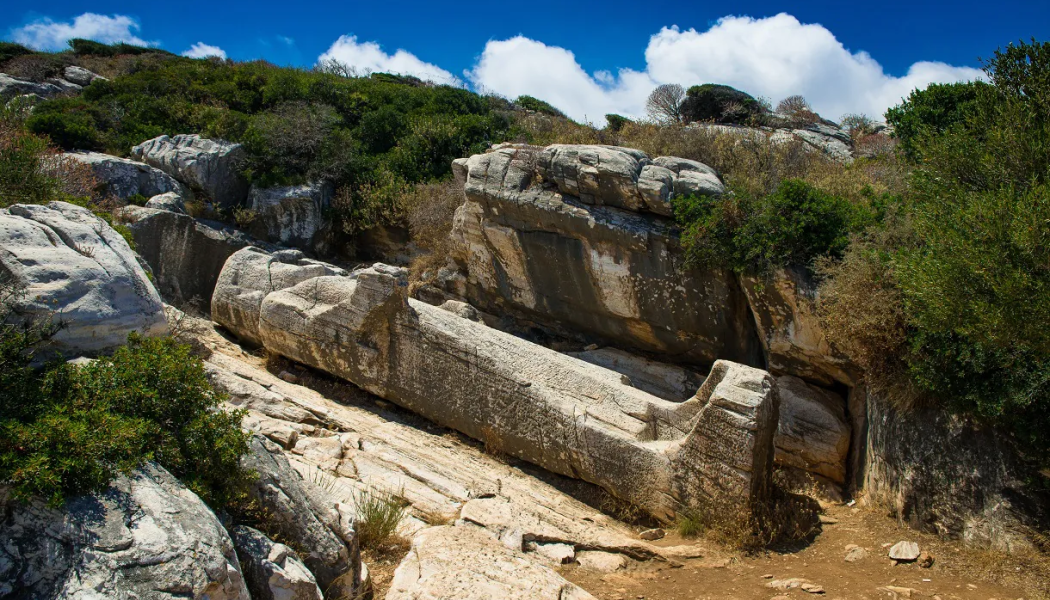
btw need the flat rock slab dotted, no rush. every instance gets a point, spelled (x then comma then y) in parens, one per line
(466, 563)
(905, 551)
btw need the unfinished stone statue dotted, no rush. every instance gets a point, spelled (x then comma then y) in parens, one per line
(566, 415)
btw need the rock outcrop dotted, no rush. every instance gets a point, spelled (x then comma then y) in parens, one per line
(620, 273)
(169, 201)
(300, 516)
(783, 305)
(662, 380)
(814, 434)
(948, 475)
(211, 168)
(563, 414)
(11, 87)
(126, 178)
(468, 564)
(273, 571)
(185, 254)
(145, 536)
(80, 76)
(292, 215)
(74, 269)
(820, 136)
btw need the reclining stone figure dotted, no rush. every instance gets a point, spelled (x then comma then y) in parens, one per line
(561, 413)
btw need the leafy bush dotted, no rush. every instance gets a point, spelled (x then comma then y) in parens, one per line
(9, 50)
(931, 111)
(32, 172)
(720, 104)
(69, 430)
(535, 104)
(616, 122)
(792, 226)
(971, 278)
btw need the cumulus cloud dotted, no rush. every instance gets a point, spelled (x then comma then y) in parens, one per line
(47, 34)
(369, 57)
(202, 50)
(773, 57)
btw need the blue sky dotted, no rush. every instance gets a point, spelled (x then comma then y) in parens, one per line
(588, 58)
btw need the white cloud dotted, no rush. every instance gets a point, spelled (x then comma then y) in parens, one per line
(47, 34)
(368, 57)
(287, 41)
(202, 50)
(773, 57)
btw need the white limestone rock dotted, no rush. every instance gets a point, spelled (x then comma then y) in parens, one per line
(76, 270)
(212, 167)
(125, 178)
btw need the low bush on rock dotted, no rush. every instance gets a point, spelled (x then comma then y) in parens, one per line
(720, 104)
(791, 226)
(66, 430)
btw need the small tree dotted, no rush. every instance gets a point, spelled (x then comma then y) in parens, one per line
(665, 103)
(793, 105)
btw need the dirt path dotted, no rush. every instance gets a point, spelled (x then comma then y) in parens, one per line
(957, 573)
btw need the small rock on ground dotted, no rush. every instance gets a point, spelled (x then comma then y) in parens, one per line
(652, 534)
(904, 551)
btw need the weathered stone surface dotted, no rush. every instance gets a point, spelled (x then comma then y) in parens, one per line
(210, 167)
(125, 178)
(298, 515)
(77, 270)
(783, 305)
(249, 275)
(620, 275)
(603, 175)
(948, 475)
(169, 201)
(273, 571)
(439, 476)
(80, 76)
(468, 564)
(292, 215)
(603, 562)
(11, 87)
(662, 380)
(185, 254)
(813, 434)
(144, 536)
(563, 414)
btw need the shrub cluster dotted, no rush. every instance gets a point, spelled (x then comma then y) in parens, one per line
(67, 430)
(962, 273)
(296, 125)
(720, 104)
(794, 225)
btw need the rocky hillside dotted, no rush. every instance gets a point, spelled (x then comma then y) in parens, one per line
(565, 369)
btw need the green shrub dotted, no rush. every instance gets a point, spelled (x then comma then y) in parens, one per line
(971, 279)
(616, 122)
(68, 430)
(720, 104)
(82, 47)
(9, 50)
(792, 226)
(379, 514)
(535, 104)
(931, 111)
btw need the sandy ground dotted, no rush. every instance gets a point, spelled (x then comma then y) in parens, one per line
(958, 572)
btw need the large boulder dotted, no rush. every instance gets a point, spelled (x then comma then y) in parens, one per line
(11, 87)
(814, 434)
(558, 412)
(80, 76)
(670, 382)
(251, 274)
(126, 178)
(299, 516)
(74, 268)
(273, 571)
(621, 274)
(211, 168)
(145, 536)
(185, 254)
(466, 563)
(292, 215)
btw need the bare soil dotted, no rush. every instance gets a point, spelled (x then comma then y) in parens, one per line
(958, 572)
